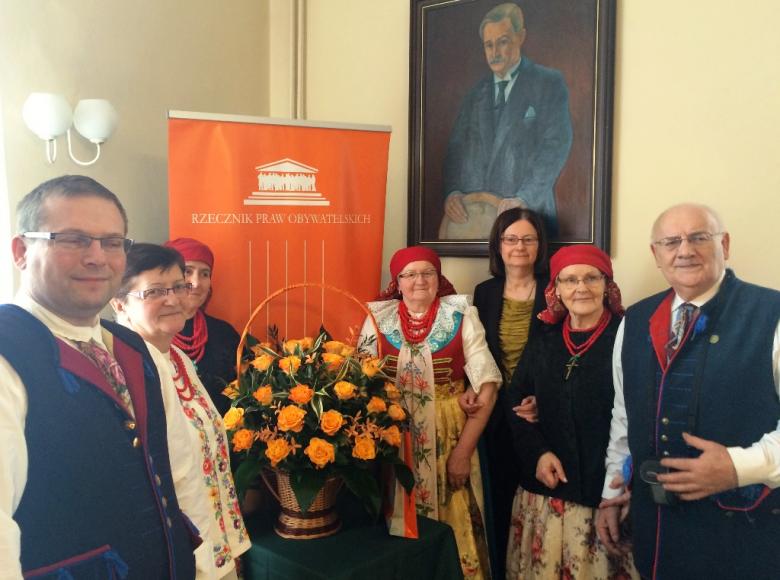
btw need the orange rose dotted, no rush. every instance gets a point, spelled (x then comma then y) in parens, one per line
(264, 395)
(290, 364)
(396, 413)
(231, 390)
(243, 439)
(376, 405)
(348, 351)
(261, 348)
(333, 361)
(320, 452)
(392, 436)
(277, 450)
(289, 345)
(291, 419)
(392, 391)
(262, 362)
(334, 346)
(331, 421)
(301, 394)
(364, 448)
(344, 390)
(307, 342)
(233, 418)
(370, 366)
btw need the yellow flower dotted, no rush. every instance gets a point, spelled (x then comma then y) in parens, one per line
(331, 421)
(243, 439)
(392, 391)
(392, 436)
(396, 413)
(289, 345)
(261, 348)
(376, 405)
(348, 351)
(301, 394)
(320, 452)
(290, 364)
(370, 367)
(344, 390)
(307, 342)
(364, 448)
(262, 362)
(334, 346)
(277, 450)
(231, 390)
(233, 418)
(333, 361)
(264, 395)
(291, 419)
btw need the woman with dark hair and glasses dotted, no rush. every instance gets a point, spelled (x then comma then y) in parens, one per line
(150, 302)
(508, 305)
(568, 368)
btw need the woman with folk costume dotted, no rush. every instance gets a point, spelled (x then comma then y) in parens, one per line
(150, 302)
(568, 368)
(209, 342)
(435, 343)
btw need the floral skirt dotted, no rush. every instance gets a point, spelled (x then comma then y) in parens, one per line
(553, 538)
(462, 509)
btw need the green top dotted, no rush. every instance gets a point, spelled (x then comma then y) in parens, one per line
(513, 332)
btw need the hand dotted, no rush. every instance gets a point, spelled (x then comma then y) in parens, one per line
(708, 474)
(527, 409)
(469, 402)
(454, 208)
(509, 203)
(550, 471)
(458, 468)
(612, 512)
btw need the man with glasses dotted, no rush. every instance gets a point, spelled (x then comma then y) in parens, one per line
(697, 381)
(94, 470)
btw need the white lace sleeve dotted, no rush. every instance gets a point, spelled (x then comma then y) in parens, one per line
(480, 367)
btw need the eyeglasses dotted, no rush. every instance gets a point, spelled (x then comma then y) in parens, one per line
(425, 275)
(525, 240)
(160, 293)
(71, 241)
(694, 239)
(570, 283)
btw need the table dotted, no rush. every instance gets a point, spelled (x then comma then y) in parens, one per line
(360, 550)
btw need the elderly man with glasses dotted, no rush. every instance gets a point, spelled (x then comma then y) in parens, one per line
(697, 407)
(96, 470)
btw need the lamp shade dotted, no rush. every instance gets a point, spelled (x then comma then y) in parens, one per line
(95, 119)
(47, 115)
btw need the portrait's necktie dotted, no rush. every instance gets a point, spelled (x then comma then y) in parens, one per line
(686, 312)
(108, 366)
(500, 100)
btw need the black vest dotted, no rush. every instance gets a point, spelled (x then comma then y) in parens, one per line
(99, 500)
(719, 386)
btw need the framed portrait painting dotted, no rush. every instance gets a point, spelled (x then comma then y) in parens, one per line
(510, 106)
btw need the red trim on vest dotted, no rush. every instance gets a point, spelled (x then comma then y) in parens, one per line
(660, 323)
(69, 562)
(79, 364)
(132, 365)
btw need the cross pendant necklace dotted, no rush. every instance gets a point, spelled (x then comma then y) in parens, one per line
(570, 366)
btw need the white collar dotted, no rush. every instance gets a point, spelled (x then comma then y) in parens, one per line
(701, 299)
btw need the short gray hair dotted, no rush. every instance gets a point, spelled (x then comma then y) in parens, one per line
(29, 210)
(498, 13)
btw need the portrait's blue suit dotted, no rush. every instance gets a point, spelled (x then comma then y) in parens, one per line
(520, 155)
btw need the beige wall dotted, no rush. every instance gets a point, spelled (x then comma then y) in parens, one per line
(146, 57)
(697, 114)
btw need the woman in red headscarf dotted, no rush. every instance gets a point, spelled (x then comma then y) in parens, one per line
(435, 345)
(568, 368)
(209, 342)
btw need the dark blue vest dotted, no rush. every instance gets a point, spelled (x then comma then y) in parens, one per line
(719, 386)
(99, 500)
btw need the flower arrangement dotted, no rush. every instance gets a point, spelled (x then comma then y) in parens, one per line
(316, 409)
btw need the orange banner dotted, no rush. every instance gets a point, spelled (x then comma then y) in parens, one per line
(281, 203)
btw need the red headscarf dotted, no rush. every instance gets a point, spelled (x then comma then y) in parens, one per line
(192, 251)
(406, 256)
(579, 254)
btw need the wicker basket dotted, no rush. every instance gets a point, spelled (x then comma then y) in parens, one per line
(319, 521)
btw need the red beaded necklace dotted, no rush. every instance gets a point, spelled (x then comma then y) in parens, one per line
(187, 391)
(194, 346)
(577, 351)
(416, 329)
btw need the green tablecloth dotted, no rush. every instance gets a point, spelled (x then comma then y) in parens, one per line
(361, 550)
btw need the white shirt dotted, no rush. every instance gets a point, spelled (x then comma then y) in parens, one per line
(13, 457)
(759, 463)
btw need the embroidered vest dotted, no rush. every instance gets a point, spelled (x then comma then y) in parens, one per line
(99, 500)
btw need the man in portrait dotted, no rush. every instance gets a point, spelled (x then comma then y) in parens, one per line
(511, 138)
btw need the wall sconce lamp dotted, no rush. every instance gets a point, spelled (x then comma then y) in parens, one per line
(49, 115)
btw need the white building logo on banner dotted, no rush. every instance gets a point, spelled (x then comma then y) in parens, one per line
(286, 182)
